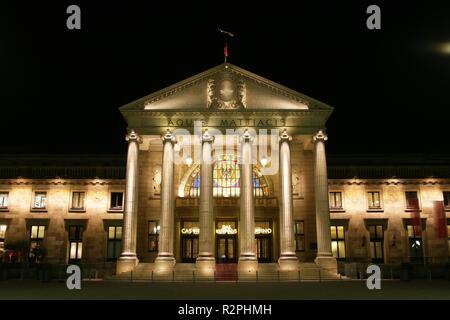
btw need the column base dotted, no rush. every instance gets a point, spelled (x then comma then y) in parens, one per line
(247, 263)
(126, 262)
(288, 262)
(205, 266)
(164, 262)
(328, 263)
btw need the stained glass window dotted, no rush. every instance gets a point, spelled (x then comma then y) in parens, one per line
(226, 180)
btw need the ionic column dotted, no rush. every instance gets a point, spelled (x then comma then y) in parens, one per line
(128, 260)
(288, 259)
(247, 255)
(205, 260)
(324, 257)
(165, 259)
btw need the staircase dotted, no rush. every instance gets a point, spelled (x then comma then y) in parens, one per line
(267, 272)
(226, 272)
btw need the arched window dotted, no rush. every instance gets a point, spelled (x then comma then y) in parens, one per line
(226, 180)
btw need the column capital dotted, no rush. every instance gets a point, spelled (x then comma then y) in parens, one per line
(168, 137)
(320, 137)
(206, 137)
(246, 137)
(285, 137)
(133, 136)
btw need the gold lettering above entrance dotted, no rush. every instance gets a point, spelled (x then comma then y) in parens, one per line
(226, 229)
(229, 123)
(194, 230)
(259, 230)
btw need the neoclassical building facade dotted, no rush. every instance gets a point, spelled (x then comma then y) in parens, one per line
(226, 167)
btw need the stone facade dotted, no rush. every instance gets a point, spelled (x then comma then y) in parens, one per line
(295, 209)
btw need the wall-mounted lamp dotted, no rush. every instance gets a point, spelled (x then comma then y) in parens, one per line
(263, 161)
(188, 161)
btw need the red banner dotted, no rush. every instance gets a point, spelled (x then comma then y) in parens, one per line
(415, 214)
(439, 217)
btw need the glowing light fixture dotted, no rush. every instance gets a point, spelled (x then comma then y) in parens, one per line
(263, 161)
(189, 161)
(444, 48)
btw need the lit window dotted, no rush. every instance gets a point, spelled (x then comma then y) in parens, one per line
(78, 199)
(40, 200)
(446, 199)
(75, 243)
(374, 199)
(299, 231)
(412, 201)
(116, 202)
(226, 180)
(153, 234)
(114, 242)
(4, 200)
(36, 239)
(2, 239)
(338, 242)
(376, 242)
(415, 241)
(335, 200)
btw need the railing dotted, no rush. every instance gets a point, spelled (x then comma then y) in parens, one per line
(50, 172)
(317, 275)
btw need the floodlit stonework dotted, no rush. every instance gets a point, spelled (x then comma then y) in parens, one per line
(162, 207)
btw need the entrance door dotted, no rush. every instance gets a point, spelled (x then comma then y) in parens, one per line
(189, 241)
(226, 241)
(189, 249)
(226, 249)
(263, 236)
(263, 248)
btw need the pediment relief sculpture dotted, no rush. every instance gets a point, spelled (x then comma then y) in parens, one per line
(226, 91)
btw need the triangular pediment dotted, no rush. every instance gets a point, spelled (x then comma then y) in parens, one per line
(225, 87)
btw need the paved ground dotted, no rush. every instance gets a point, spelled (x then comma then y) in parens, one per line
(417, 289)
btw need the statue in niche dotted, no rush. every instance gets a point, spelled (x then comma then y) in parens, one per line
(226, 92)
(157, 181)
(295, 183)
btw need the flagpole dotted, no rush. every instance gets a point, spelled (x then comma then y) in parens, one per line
(225, 49)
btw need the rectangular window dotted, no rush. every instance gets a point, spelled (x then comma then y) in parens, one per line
(153, 234)
(40, 200)
(412, 201)
(415, 242)
(114, 242)
(2, 239)
(446, 199)
(376, 242)
(4, 200)
(335, 200)
(338, 242)
(78, 199)
(116, 202)
(299, 232)
(75, 243)
(36, 239)
(374, 199)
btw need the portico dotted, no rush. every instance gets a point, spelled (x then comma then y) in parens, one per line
(226, 176)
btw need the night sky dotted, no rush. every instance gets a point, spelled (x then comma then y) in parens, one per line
(60, 89)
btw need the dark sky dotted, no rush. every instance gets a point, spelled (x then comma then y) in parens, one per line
(60, 90)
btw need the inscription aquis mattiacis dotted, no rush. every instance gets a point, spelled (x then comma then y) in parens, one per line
(237, 122)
